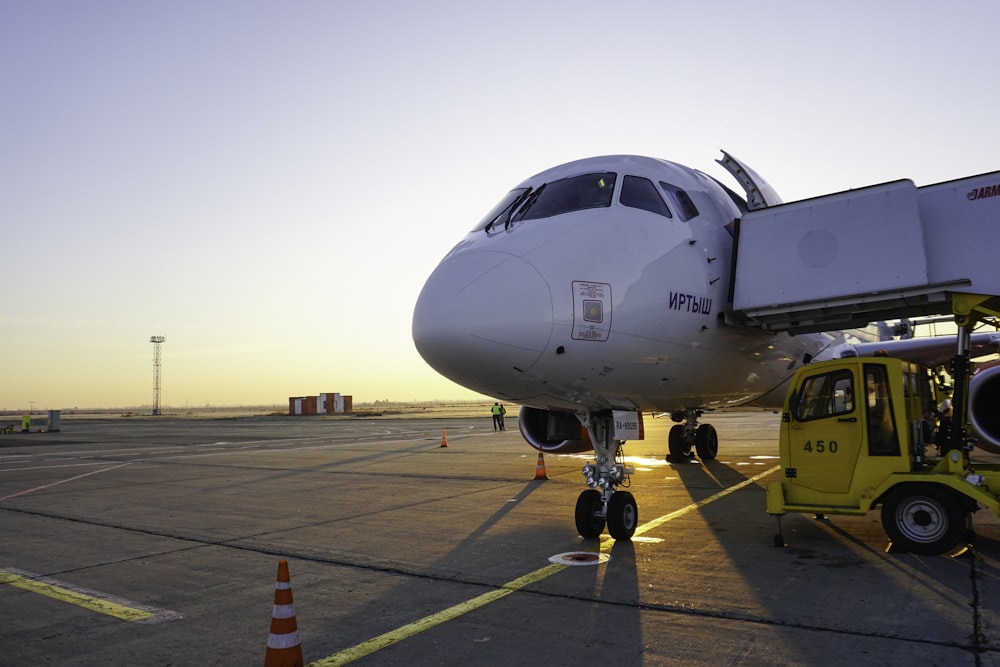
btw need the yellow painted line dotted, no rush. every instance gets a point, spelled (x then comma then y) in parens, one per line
(84, 597)
(388, 639)
(428, 622)
(656, 523)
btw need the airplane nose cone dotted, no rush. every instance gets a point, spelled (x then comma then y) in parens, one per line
(482, 319)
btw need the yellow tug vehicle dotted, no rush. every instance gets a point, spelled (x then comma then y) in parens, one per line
(857, 433)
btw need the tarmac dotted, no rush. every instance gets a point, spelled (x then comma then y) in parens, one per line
(156, 541)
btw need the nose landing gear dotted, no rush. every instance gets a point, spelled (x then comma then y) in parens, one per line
(603, 503)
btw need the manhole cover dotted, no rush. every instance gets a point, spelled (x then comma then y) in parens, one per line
(580, 558)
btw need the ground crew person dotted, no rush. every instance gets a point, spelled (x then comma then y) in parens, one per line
(25, 424)
(496, 417)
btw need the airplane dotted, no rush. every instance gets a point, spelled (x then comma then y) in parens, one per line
(598, 290)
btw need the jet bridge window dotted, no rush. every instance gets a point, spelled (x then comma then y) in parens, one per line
(640, 192)
(826, 395)
(569, 194)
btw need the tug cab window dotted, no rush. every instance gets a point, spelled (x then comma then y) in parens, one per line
(826, 395)
(640, 192)
(882, 438)
(568, 194)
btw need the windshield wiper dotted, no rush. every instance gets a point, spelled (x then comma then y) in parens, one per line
(509, 211)
(529, 200)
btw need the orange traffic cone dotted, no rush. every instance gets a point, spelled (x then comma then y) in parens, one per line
(283, 649)
(540, 467)
(444, 437)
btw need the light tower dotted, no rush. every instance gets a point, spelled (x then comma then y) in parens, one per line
(156, 341)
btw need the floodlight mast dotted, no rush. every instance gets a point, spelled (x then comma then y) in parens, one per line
(156, 341)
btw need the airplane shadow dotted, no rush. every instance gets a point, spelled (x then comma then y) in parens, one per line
(595, 601)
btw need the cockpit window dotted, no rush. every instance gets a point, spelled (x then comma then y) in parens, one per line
(568, 194)
(685, 207)
(640, 192)
(501, 210)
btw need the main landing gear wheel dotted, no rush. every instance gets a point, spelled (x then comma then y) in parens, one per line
(923, 519)
(679, 450)
(589, 523)
(706, 442)
(623, 515)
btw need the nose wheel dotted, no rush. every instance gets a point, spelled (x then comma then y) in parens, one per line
(623, 515)
(590, 517)
(620, 513)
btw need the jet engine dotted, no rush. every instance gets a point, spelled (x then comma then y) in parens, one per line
(552, 431)
(984, 408)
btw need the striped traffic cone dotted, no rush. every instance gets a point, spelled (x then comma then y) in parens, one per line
(283, 649)
(444, 437)
(540, 467)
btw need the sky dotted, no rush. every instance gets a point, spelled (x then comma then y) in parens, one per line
(268, 184)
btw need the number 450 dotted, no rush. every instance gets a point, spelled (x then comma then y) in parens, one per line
(821, 446)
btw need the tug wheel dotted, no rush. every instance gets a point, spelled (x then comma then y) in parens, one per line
(923, 519)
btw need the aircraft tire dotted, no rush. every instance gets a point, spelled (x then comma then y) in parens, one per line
(923, 519)
(623, 515)
(706, 442)
(679, 450)
(588, 523)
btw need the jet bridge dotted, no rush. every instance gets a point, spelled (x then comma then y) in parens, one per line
(884, 252)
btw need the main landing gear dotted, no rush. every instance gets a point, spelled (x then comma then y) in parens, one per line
(603, 504)
(683, 437)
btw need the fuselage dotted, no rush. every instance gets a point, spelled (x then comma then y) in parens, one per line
(600, 284)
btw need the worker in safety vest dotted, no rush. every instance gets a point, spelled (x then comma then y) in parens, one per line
(496, 416)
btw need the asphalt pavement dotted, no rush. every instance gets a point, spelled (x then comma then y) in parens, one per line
(156, 541)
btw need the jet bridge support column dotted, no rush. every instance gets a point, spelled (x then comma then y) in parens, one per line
(968, 309)
(961, 369)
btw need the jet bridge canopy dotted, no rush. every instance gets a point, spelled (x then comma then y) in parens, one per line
(883, 252)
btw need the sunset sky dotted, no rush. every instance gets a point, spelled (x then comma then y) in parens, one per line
(268, 184)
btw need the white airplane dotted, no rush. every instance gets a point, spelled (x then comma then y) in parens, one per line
(596, 291)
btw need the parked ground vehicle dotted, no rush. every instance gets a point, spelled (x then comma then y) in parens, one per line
(857, 433)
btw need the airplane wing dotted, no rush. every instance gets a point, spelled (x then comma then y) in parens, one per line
(935, 351)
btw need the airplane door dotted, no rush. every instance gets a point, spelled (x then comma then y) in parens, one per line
(825, 431)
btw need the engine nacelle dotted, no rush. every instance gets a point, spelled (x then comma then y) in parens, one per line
(984, 408)
(553, 431)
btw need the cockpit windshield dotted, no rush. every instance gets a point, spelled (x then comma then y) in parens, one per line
(568, 194)
(502, 210)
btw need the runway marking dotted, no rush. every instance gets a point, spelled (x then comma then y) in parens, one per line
(388, 639)
(62, 481)
(428, 622)
(656, 523)
(85, 597)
